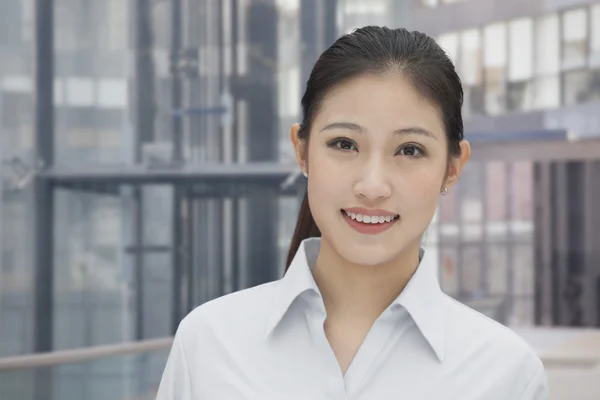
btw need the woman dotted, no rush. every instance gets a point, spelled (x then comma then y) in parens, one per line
(359, 314)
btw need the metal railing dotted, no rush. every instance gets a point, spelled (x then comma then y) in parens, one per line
(83, 354)
(124, 371)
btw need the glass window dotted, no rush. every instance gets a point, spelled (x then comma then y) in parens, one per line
(523, 264)
(578, 86)
(547, 50)
(494, 64)
(520, 68)
(594, 85)
(574, 27)
(470, 68)
(496, 191)
(497, 271)
(471, 191)
(449, 42)
(470, 57)
(595, 36)
(521, 49)
(546, 92)
(90, 269)
(115, 25)
(522, 191)
(547, 65)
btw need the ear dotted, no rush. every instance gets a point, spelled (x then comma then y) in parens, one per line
(299, 147)
(456, 164)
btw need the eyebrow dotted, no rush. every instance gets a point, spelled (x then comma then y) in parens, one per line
(359, 129)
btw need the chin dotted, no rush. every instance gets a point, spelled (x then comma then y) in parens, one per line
(367, 254)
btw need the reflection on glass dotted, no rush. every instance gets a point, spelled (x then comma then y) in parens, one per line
(595, 36)
(547, 45)
(577, 87)
(519, 96)
(16, 273)
(546, 92)
(17, 117)
(520, 68)
(547, 65)
(91, 291)
(574, 27)
(494, 63)
(470, 69)
(157, 290)
(594, 83)
(470, 56)
(520, 36)
(93, 49)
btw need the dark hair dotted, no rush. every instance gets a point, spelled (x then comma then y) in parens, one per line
(376, 50)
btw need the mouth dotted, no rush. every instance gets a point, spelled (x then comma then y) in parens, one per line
(370, 224)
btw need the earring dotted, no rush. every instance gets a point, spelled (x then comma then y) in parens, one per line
(445, 191)
(305, 174)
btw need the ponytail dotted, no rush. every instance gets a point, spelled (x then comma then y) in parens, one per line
(305, 228)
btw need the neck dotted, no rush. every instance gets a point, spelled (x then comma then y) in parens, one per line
(361, 292)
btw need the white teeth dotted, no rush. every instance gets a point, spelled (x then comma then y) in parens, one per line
(367, 219)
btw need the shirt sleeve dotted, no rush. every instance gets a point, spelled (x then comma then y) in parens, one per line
(537, 388)
(175, 383)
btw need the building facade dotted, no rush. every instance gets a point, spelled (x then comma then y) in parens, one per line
(186, 85)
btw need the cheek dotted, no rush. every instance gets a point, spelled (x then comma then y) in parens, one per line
(328, 186)
(326, 172)
(420, 189)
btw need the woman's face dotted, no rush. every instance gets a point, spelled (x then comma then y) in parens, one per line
(377, 151)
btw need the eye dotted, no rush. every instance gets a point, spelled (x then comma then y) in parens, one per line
(411, 150)
(343, 144)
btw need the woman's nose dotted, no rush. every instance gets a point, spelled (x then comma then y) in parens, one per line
(373, 182)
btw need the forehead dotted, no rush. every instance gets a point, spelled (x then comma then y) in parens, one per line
(380, 102)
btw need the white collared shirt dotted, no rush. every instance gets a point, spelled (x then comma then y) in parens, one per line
(268, 342)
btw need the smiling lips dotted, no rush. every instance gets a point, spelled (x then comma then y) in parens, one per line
(369, 221)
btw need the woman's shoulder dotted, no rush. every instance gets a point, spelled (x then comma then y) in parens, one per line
(470, 329)
(241, 311)
(482, 345)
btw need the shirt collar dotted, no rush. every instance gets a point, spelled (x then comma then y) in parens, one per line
(297, 280)
(422, 296)
(424, 300)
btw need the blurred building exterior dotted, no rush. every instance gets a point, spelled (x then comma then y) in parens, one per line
(158, 181)
(528, 66)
